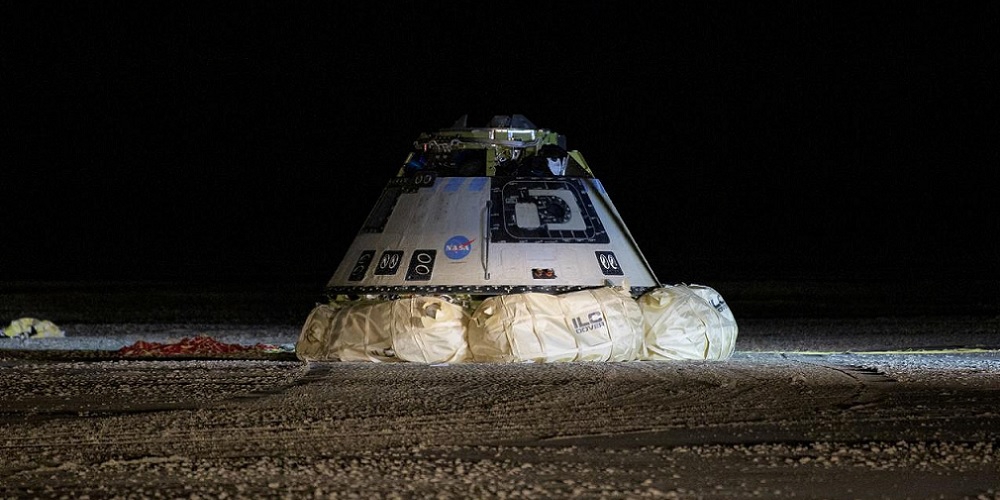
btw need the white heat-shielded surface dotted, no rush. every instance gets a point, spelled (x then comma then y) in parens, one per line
(490, 235)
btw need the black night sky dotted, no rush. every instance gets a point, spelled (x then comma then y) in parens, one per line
(739, 141)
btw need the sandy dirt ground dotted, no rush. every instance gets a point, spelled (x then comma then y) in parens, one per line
(811, 405)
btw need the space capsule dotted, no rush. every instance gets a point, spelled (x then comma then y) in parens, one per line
(498, 244)
(483, 211)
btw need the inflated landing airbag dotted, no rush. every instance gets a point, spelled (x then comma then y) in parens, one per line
(418, 329)
(601, 324)
(687, 322)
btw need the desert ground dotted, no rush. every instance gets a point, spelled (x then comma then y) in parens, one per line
(836, 390)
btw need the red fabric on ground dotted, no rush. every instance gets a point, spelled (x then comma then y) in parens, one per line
(188, 346)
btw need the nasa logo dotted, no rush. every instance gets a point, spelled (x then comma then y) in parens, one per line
(458, 247)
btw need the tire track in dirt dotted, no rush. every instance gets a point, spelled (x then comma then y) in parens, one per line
(872, 384)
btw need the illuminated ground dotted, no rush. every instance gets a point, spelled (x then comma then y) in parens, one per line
(791, 414)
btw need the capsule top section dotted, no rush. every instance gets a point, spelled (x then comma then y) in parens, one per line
(508, 146)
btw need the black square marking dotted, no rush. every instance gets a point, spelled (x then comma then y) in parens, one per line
(389, 262)
(361, 266)
(421, 265)
(609, 264)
